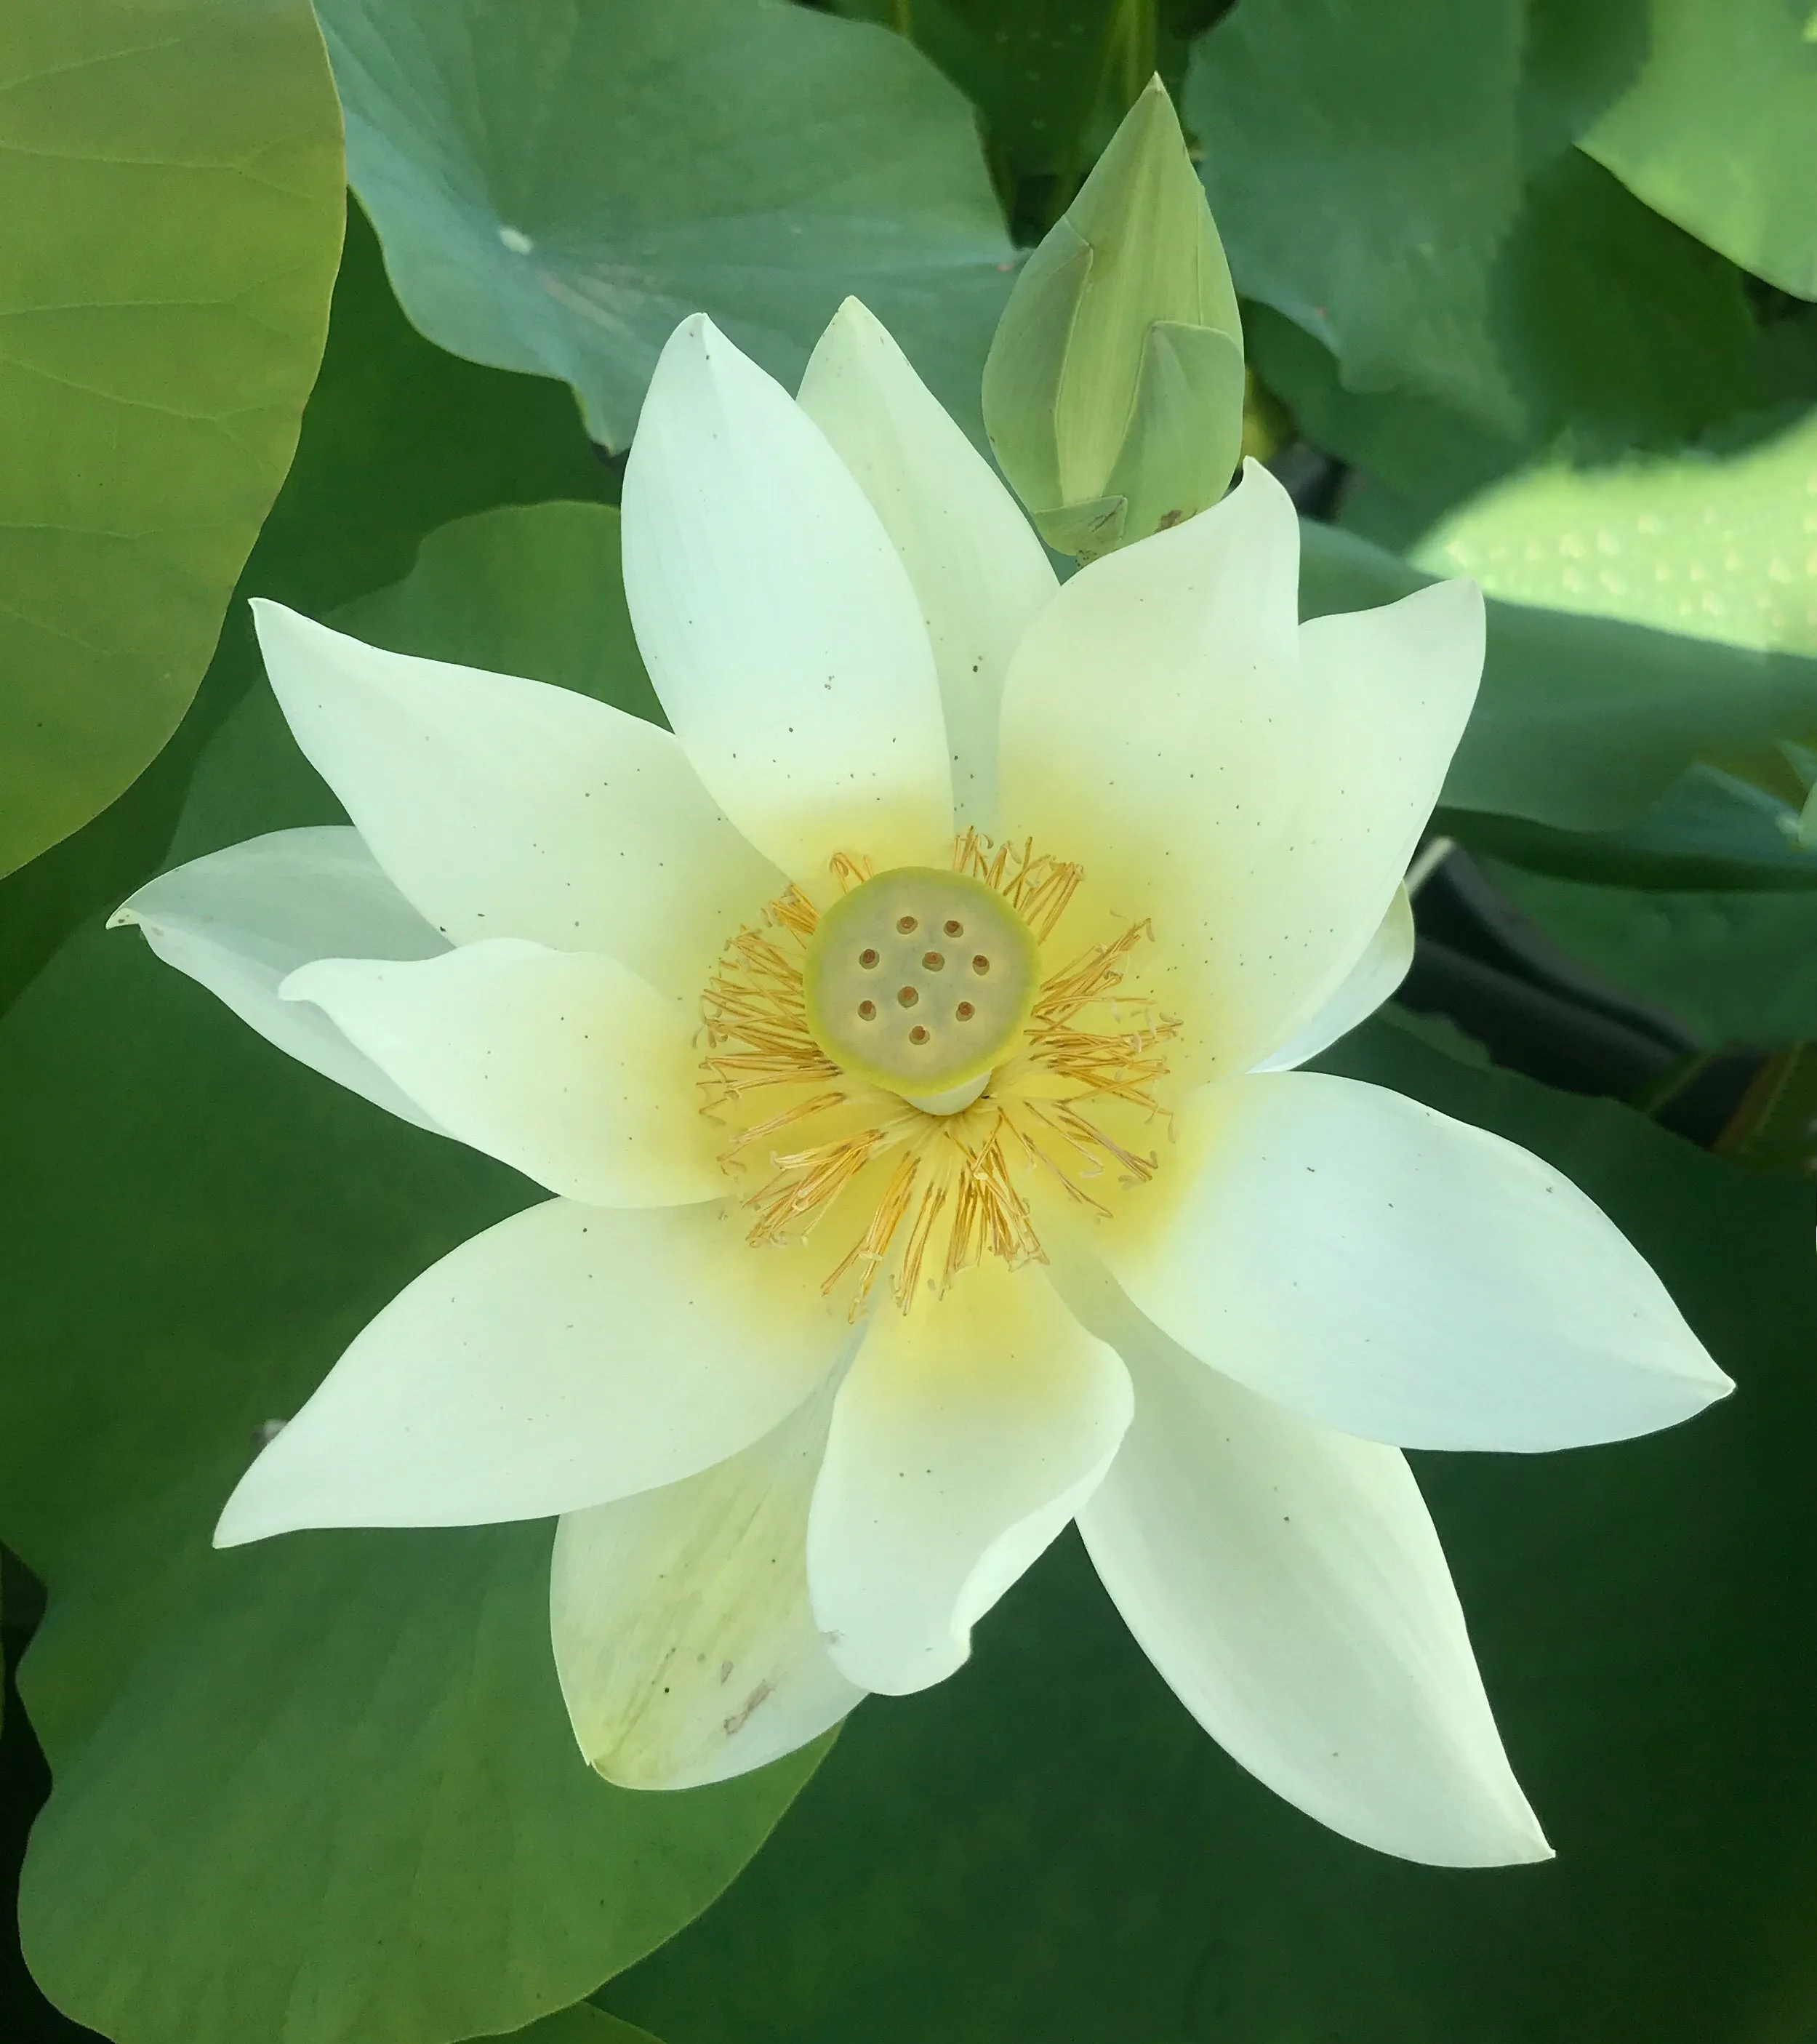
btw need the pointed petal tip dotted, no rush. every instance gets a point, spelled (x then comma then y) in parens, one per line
(276, 627)
(853, 331)
(842, 343)
(698, 359)
(1154, 103)
(854, 311)
(259, 1509)
(698, 333)
(267, 610)
(1257, 480)
(1505, 1833)
(1258, 500)
(690, 343)
(1688, 1384)
(1713, 1384)
(238, 1525)
(1527, 1844)
(1519, 1843)
(1463, 595)
(1454, 606)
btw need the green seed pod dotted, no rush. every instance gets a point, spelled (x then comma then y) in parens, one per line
(1113, 392)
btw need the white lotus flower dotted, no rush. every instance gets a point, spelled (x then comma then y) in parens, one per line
(910, 1202)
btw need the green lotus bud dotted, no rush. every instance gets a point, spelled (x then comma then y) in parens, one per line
(1113, 392)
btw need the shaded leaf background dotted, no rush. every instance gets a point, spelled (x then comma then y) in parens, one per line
(324, 1790)
(1047, 1846)
(353, 1751)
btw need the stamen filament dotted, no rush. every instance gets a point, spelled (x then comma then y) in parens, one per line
(949, 1195)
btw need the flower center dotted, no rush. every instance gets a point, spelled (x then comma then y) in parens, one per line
(907, 1067)
(919, 981)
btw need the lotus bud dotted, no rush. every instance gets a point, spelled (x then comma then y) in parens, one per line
(1113, 392)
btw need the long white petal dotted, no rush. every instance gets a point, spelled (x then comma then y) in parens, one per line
(1287, 1581)
(241, 921)
(683, 1636)
(1401, 1276)
(1373, 978)
(776, 622)
(1252, 787)
(563, 1064)
(505, 807)
(978, 569)
(967, 1434)
(568, 1356)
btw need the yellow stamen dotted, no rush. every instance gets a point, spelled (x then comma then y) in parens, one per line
(1037, 890)
(928, 1195)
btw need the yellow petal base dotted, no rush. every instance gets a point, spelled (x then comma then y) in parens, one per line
(922, 1188)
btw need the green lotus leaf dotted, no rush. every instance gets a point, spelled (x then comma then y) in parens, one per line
(558, 187)
(398, 437)
(1715, 133)
(1400, 182)
(171, 201)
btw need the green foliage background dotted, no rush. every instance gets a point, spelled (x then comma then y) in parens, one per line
(1527, 289)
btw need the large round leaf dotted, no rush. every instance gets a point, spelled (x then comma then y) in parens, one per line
(557, 187)
(171, 209)
(323, 1788)
(1288, 99)
(1400, 182)
(398, 437)
(1047, 1847)
(1716, 132)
